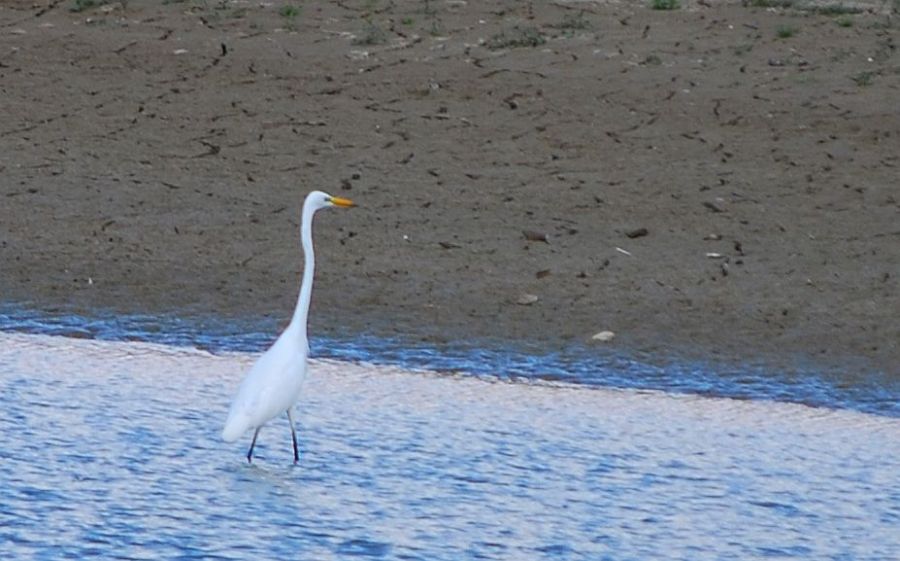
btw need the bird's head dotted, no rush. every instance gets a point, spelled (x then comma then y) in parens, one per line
(318, 200)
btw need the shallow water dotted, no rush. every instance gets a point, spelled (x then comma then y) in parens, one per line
(847, 388)
(112, 450)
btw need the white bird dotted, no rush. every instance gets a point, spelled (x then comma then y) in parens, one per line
(275, 381)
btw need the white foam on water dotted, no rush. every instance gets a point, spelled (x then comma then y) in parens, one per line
(114, 446)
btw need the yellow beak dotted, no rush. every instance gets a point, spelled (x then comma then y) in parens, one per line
(338, 201)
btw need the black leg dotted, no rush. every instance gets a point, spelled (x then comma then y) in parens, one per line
(293, 437)
(252, 444)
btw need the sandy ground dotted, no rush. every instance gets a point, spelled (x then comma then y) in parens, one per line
(717, 180)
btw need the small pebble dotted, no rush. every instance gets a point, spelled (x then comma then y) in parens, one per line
(713, 206)
(534, 236)
(603, 336)
(637, 233)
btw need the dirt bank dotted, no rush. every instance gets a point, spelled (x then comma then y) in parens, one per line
(718, 179)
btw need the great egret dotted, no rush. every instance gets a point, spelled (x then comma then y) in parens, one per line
(274, 382)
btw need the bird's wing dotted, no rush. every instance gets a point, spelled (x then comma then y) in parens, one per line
(271, 387)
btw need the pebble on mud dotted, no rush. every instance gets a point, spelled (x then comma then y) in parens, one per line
(603, 336)
(715, 207)
(534, 236)
(637, 233)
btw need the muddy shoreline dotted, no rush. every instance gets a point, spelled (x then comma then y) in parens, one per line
(693, 181)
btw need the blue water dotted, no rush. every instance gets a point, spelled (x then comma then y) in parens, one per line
(868, 391)
(111, 450)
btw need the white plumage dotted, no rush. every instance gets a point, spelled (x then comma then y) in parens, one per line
(275, 381)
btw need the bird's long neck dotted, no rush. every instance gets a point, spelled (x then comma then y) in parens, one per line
(301, 312)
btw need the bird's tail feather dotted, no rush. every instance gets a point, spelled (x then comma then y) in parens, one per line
(235, 426)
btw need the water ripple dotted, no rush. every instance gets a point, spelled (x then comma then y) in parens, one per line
(112, 450)
(874, 392)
